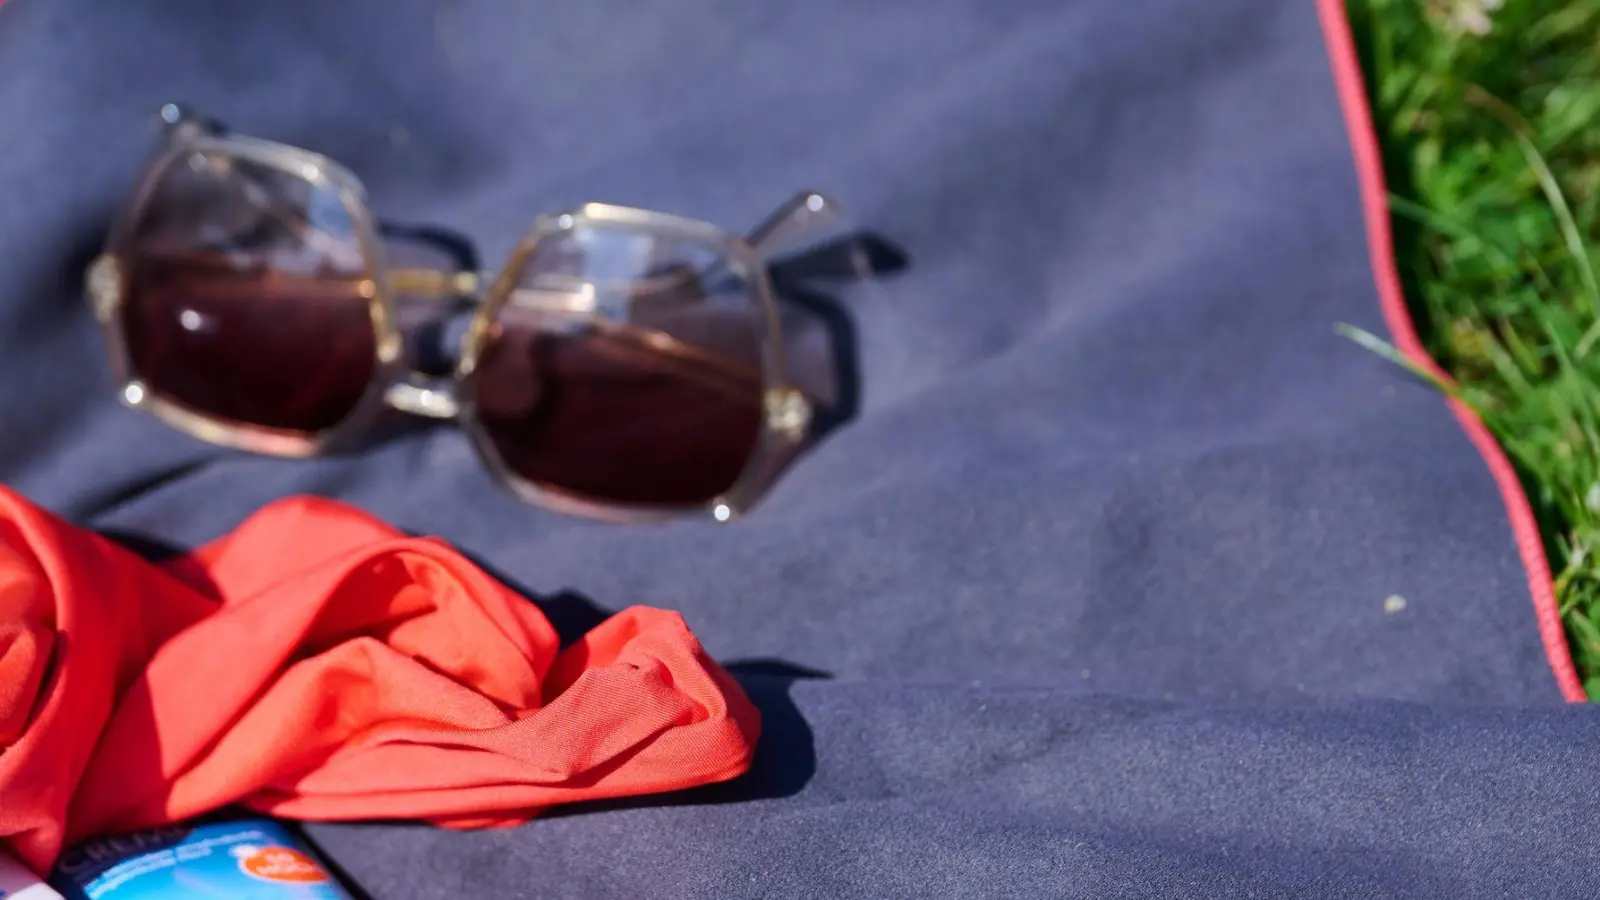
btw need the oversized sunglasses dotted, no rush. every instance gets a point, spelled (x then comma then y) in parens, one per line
(625, 364)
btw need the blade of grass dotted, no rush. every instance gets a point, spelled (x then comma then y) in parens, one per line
(1446, 225)
(1570, 232)
(1390, 352)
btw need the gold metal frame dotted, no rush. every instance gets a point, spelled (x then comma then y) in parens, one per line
(396, 386)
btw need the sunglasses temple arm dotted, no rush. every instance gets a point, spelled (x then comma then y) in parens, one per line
(805, 212)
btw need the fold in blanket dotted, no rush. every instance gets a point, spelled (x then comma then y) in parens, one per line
(317, 664)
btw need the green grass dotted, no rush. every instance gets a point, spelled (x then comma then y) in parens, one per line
(1491, 144)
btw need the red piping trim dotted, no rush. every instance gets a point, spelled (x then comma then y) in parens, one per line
(1374, 201)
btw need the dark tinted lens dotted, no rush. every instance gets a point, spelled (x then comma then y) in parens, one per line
(246, 297)
(655, 399)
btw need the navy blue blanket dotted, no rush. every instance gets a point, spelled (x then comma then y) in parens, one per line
(1125, 575)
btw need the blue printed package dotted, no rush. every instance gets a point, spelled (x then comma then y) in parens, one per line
(249, 859)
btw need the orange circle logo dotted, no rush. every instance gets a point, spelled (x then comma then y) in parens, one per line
(283, 865)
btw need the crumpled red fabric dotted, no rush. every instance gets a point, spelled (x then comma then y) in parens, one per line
(316, 664)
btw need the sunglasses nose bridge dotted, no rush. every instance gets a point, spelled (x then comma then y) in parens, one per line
(422, 395)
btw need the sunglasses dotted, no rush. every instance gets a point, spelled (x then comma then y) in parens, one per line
(624, 365)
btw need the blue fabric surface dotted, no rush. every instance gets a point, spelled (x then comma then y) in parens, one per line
(1087, 600)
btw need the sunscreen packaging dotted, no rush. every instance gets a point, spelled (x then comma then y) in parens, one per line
(243, 859)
